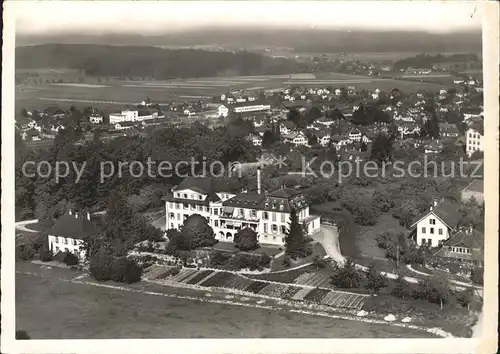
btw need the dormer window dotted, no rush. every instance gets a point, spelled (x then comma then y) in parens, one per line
(185, 196)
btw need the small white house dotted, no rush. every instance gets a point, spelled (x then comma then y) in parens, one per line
(295, 138)
(436, 226)
(222, 111)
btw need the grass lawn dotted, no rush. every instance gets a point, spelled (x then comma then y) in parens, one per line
(229, 246)
(318, 250)
(50, 308)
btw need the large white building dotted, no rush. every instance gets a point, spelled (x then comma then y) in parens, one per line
(68, 233)
(474, 137)
(130, 116)
(227, 213)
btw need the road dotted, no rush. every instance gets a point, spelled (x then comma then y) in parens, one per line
(21, 225)
(329, 239)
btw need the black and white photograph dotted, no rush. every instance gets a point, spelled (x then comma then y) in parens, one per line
(274, 171)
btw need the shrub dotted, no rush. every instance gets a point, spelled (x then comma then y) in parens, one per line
(477, 275)
(24, 252)
(346, 276)
(45, 255)
(70, 259)
(246, 239)
(402, 289)
(374, 280)
(218, 259)
(125, 270)
(453, 268)
(101, 265)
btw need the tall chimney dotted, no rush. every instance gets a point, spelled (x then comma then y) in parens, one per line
(88, 216)
(258, 180)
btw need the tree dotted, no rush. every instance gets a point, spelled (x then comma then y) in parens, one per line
(441, 290)
(383, 199)
(268, 139)
(477, 275)
(382, 149)
(401, 288)
(374, 280)
(296, 244)
(125, 270)
(346, 276)
(70, 259)
(101, 265)
(246, 239)
(319, 262)
(312, 140)
(465, 297)
(197, 233)
(431, 127)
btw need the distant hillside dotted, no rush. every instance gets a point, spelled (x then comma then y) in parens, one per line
(302, 39)
(106, 60)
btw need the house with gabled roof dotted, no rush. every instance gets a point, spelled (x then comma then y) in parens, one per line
(437, 225)
(465, 245)
(70, 232)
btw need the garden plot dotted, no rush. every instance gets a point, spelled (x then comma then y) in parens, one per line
(202, 280)
(183, 274)
(316, 295)
(256, 286)
(274, 290)
(340, 299)
(156, 272)
(301, 294)
(198, 276)
(311, 279)
(218, 279)
(237, 282)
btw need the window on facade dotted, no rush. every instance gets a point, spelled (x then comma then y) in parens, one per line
(185, 206)
(423, 230)
(241, 213)
(200, 197)
(74, 243)
(265, 215)
(193, 207)
(178, 205)
(274, 216)
(177, 195)
(432, 221)
(440, 231)
(171, 205)
(432, 230)
(185, 196)
(200, 207)
(253, 213)
(216, 223)
(57, 239)
(265, 227)
(274, 227)
(283, 229)
(216, 211)
(283, 218)
(65, 241)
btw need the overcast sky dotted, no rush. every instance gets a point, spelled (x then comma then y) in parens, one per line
(150, 17)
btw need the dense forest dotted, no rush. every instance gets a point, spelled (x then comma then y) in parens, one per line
(422, 61)
(301, 39)
(105, 60)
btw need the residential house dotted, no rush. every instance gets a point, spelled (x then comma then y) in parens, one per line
(326, 121)
(69, 233)
(339, 141)
(474, 139)
(355, 135)
(466, 245)
(96, 119)
(447, 130)
(323, 137)
(367, 137)
(408, 129)
(435, 147)
(295, 138)
(124, 125)
(242, 107)
(227, 213)
(124, 116)
(287, 127)
(255, 139)
(475, 190)
(30, 135)
(222, 111)
(437, 225)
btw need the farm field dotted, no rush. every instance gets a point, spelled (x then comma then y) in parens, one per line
(115, 93)
(91, 312)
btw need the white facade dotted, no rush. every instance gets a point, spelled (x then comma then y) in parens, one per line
(66, 244)
(222, 111)
(271, 226)
(96, 119)
(124, 116)
(296, 139)
(431, 231)
(474, 141)
(252, 108)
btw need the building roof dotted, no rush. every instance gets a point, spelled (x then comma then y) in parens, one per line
(475, 186)
(479, 127)
(471, 239)
(74, 227)
(447, 128)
